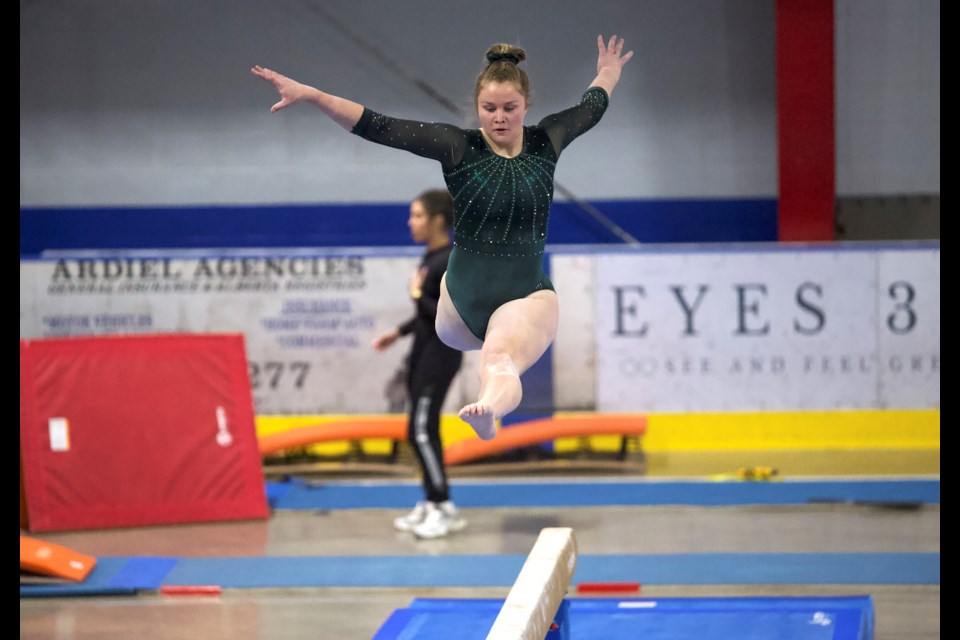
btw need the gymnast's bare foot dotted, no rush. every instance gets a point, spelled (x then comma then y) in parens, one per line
(480, 417)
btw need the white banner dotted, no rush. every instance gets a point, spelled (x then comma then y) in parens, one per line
(722, 330)
(773, 329)
(308, 319)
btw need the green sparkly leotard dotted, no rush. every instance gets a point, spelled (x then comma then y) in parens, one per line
(500, 204)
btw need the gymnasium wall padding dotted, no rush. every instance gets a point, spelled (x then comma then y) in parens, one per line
(141, 430)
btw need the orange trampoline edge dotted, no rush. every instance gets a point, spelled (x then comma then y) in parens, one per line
(539, 431)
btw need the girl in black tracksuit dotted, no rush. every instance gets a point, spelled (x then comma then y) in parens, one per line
(431, 367)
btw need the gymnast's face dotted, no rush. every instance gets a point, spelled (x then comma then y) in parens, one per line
(502, 108)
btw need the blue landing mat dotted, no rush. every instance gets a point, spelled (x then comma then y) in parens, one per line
(300, 495)
(840, 618)
(131, 574)
(99, 582)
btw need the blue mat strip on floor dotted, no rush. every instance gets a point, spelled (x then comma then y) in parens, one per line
(502, 570)
(99, 582)
(295, 495)
(113, 575)
(71, 591)
(144, 573)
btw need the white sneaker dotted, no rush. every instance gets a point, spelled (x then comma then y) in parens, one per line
(455, 522)
(440, 520)
(412, 519)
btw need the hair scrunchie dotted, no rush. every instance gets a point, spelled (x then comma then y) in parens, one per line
(497, 57)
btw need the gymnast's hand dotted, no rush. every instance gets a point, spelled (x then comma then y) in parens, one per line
(290, 91)
(610, 62)
(345, 113)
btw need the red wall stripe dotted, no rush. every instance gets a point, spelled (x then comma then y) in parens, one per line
(805, 120)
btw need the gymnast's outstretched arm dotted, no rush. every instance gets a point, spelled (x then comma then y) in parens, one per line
(342, 111)
(442, 142)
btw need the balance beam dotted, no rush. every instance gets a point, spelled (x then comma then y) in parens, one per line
(541, 585)
(390, 427)
(537, 431)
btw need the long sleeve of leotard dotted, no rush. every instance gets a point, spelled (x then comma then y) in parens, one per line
(564, 127)
(442, 142)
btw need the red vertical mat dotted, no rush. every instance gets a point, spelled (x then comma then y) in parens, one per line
(138, 430)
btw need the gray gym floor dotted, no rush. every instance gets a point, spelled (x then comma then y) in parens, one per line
(902, 611)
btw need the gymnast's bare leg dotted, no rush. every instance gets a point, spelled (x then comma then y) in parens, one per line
(518, 334)
(451, 328)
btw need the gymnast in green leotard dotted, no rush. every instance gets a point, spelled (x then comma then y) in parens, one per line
(500, 203)
(495, 296)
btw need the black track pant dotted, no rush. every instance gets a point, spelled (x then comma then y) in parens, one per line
(432, 367)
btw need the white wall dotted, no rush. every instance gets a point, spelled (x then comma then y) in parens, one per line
(151, 101)
(888, 97)
(142, 102)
